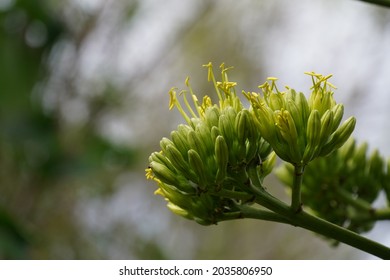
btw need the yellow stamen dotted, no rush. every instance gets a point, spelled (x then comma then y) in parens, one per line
(183, 93)
(172, 98)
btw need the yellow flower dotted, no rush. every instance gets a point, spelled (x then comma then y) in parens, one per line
(283, 120)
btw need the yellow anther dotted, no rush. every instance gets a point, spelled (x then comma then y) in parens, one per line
(172, 98)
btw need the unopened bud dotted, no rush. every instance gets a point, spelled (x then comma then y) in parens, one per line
(339, 137)
(198, 167)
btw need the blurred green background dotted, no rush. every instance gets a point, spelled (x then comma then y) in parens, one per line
(83, 102)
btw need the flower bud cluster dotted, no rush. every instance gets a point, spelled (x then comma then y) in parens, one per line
(342, 187)
(208, 154)
(208, 167)
(299, 130)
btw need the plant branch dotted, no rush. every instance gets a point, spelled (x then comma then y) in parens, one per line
(341, 234)
(296, 202)
(367, 212)
(318, 225)
(356, 202)
(372, 215)
(259, 214)
(384, 3)
(381, 214)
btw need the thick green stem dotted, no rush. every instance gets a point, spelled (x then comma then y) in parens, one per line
(315, 224)
(296, 202)
(325, 228)
(341, 234)
(232, 194)
(259, 214)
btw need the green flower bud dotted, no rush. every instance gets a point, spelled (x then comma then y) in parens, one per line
(231, 113)
(212, 116)
(184, 129)
(264, 149)
(287, 129)
(179, 211)
(162, 159)
(303, 107)
(226, 128)
(194, 122)
(221, 158)
(292, 107)
(214, 133)
(254, 144)
(251, 150)
(204, 135)
(197, 144)
(376, 173)
(360, 154)
(326, 126)
(164, 143)
(244, 133)
(376, 167)
(180, 142)
(180, 163)
(163, 173)
(198, 167)
(267, 166)
(199, 207)
(242, 126)
(313, 136)
(338, 112)
(339, 137)
(347, 150)
(266, 121)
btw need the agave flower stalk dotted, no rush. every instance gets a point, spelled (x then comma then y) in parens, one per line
(212, 167)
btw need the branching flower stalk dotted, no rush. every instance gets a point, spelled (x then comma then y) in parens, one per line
(212, 168)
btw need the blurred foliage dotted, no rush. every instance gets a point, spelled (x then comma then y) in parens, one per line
(44, 162)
